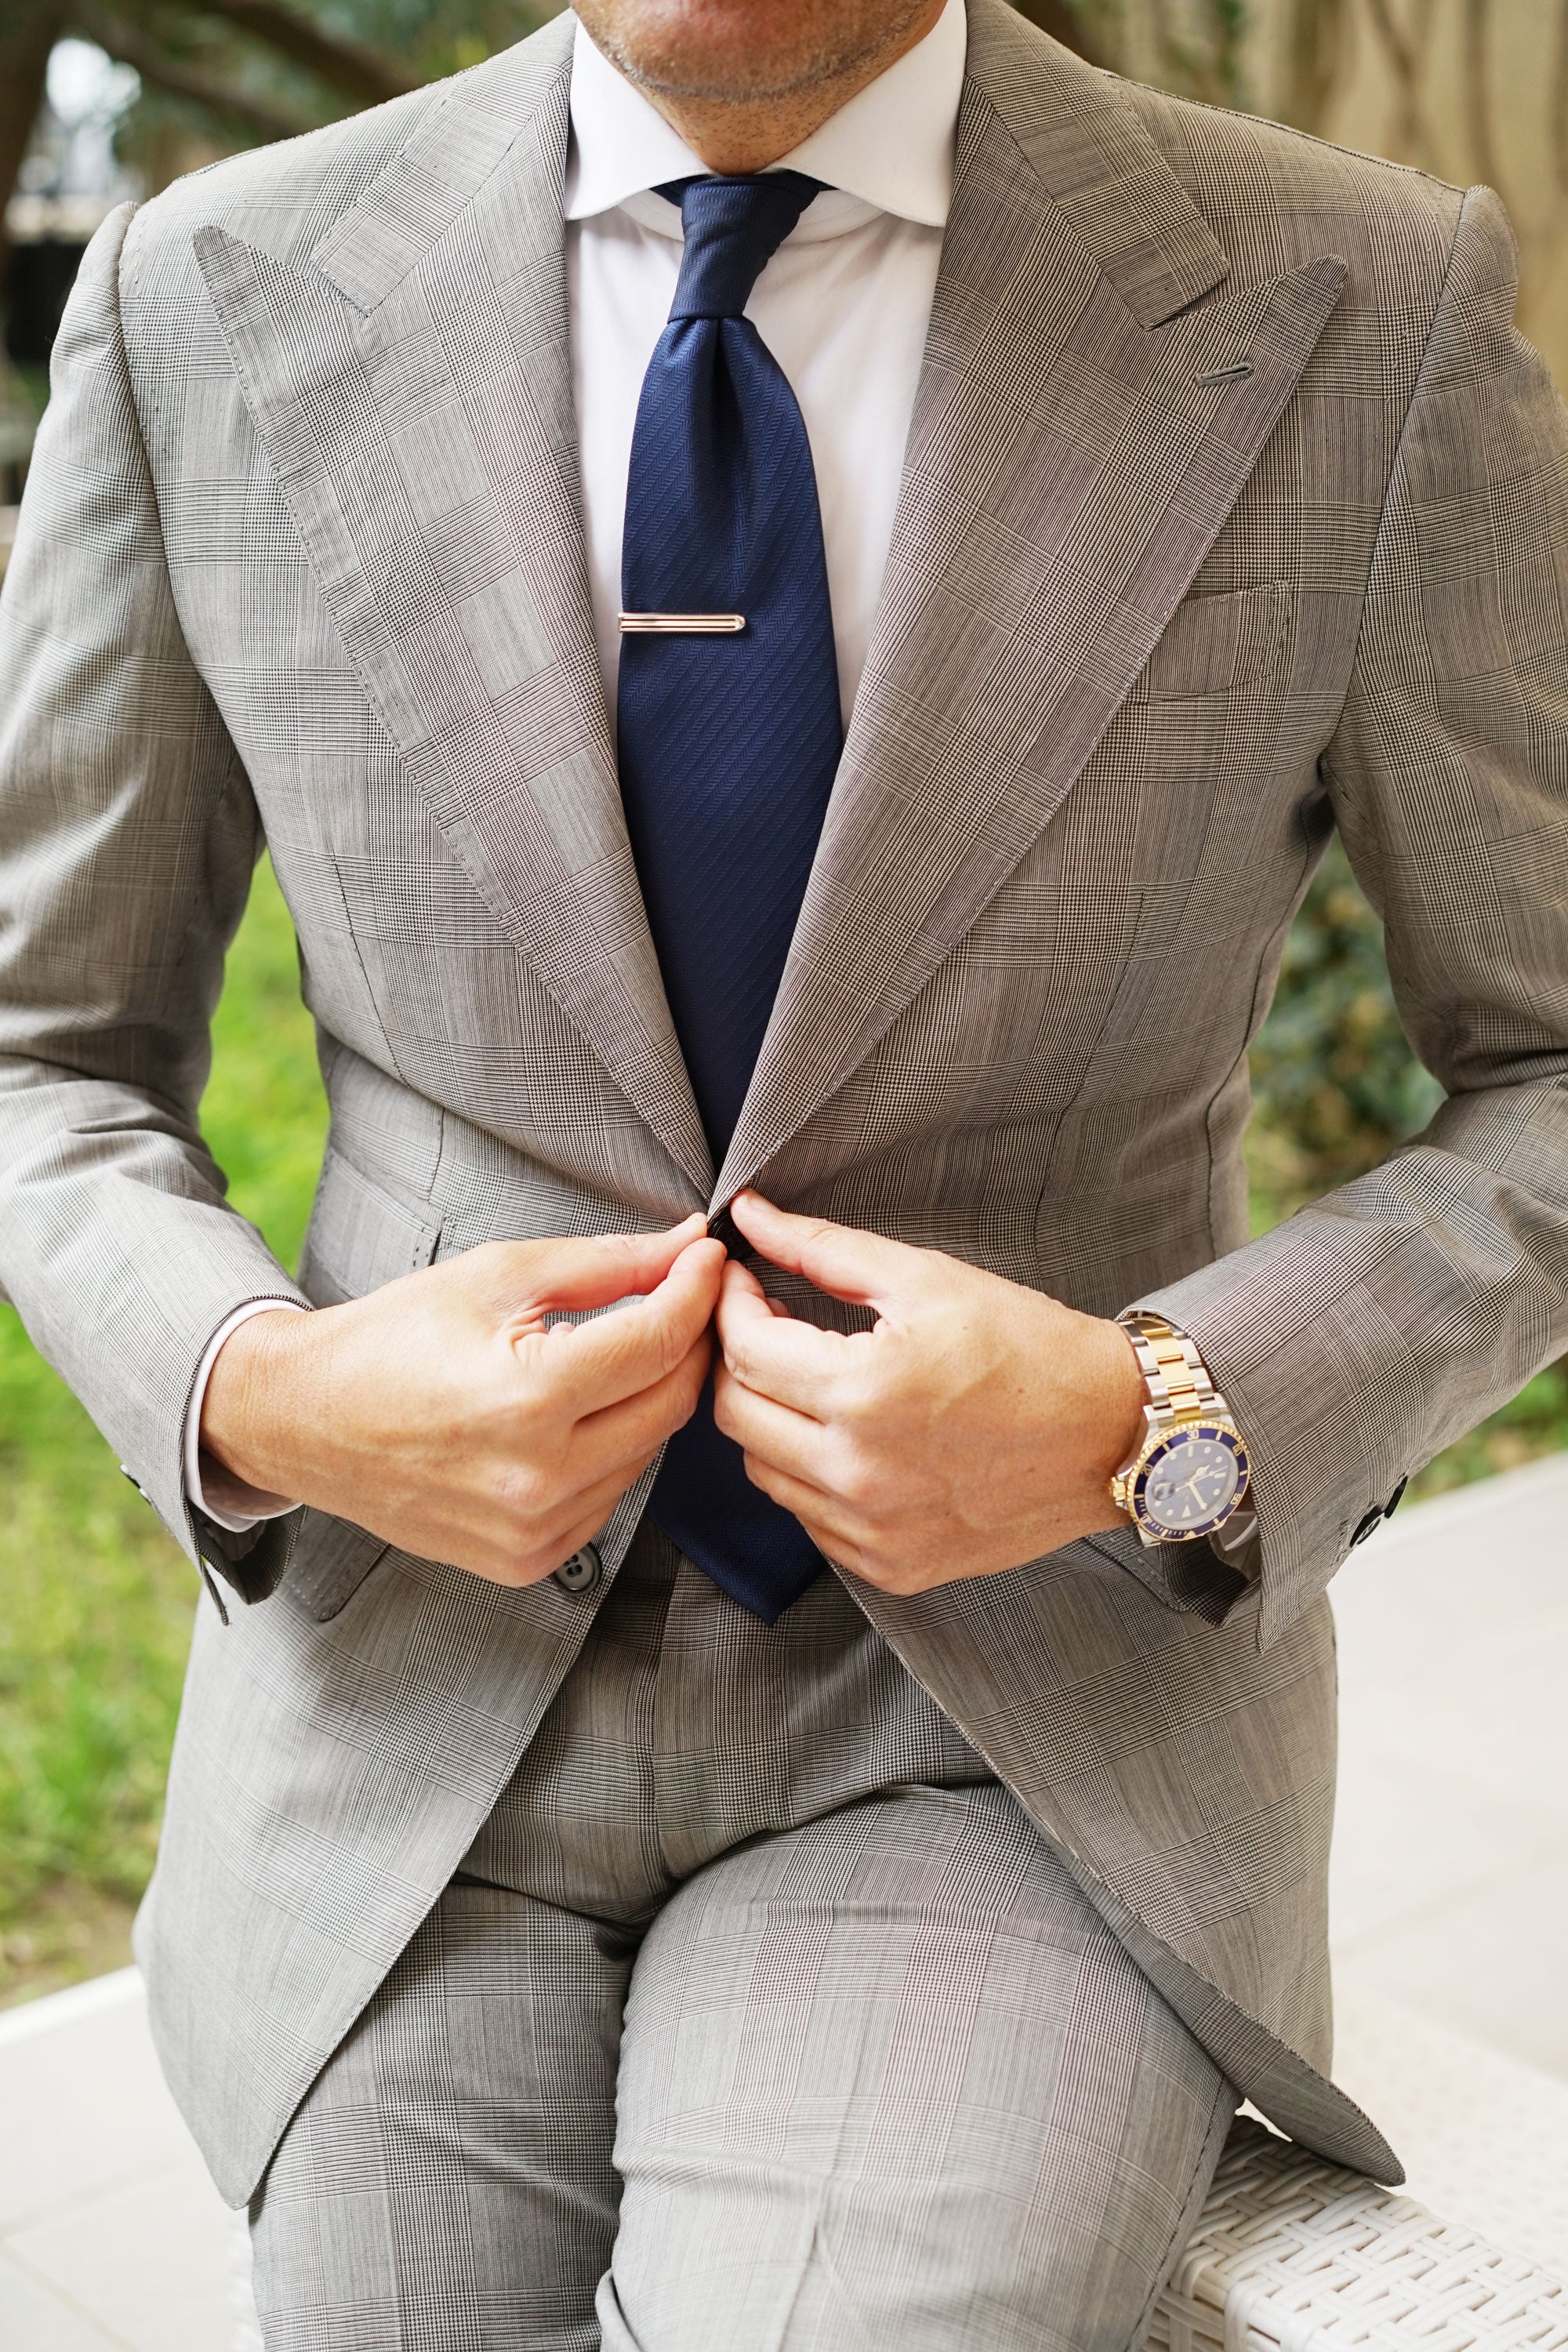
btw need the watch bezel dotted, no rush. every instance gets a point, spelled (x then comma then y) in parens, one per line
(1164, 1441)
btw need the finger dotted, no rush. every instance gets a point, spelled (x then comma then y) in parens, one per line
(525, 1551)
(585, 1518)
(776, 1434)
(831, 1528)
(774, 1353)
(864, 1268)
(597, 1364)
(638, 1426)
(599, 1269)
(587, 1512)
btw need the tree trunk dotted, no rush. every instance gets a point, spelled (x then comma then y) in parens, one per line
(1063, 22)
(28, 30)
(1314, 54)
(1478, 93)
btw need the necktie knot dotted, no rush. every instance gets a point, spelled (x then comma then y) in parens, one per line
(734, 228)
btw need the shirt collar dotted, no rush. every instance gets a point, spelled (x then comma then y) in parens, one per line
(892, 146)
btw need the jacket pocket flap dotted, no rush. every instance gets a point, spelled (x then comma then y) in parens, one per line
(360, 1235)
(327, 1563)
(1190, 1577)
(1213, 644)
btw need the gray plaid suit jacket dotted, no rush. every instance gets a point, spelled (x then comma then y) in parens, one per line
(1234, 508)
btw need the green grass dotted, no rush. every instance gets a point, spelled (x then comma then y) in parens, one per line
(96, 1602)
(264, 1112)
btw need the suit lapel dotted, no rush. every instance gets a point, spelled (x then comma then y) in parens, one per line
(1075, 449)
(412, 384)
(1080, 435)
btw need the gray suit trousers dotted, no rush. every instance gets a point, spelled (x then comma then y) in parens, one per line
(758, 2018)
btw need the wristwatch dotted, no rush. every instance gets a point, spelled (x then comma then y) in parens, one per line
(1189, 1471)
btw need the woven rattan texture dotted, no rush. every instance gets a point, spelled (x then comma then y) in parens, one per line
(1295, 2255)
(1292, 2252)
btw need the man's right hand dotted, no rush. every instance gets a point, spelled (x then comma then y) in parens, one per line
(441, 1413)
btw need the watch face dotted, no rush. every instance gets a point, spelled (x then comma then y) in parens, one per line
(1187, 1486)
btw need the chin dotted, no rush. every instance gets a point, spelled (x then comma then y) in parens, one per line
(738, 51)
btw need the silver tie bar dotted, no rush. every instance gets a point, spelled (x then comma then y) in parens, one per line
(676, 624)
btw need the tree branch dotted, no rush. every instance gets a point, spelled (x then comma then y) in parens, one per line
(1398, 46)
(141, 50)
(1406, 46)
(361, 73)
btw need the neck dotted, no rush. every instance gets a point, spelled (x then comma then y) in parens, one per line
(737, 135)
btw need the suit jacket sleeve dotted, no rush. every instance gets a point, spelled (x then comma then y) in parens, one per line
(1374, 1327)
(128, 838)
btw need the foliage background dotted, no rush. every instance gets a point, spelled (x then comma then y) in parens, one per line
(1473, 89)
(95, 1603)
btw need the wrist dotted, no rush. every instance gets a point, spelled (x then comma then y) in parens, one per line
(251, 1406)
(1109, 1424)
(1125, 1397)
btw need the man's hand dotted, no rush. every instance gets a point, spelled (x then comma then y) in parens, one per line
(440, 1413)
(975, 1428)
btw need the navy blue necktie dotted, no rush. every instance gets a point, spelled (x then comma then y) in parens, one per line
(729, 738)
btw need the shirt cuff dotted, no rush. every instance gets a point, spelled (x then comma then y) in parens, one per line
(226, 1500)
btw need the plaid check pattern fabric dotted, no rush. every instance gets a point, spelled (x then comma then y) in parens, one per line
(1234, 508)
(811, 2044)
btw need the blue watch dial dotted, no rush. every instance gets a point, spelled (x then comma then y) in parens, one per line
(1190, 1483)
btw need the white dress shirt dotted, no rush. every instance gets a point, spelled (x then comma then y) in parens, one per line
(843, 306)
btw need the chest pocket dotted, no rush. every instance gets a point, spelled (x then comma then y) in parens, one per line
(1215, 645)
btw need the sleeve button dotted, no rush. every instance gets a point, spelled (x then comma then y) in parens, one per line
(582, 1572)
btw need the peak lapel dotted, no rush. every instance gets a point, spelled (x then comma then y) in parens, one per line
(1068, 469)
(412, 384)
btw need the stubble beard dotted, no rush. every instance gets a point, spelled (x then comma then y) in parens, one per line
(837, 44)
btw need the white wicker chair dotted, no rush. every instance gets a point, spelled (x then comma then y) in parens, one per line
(1293, 2254)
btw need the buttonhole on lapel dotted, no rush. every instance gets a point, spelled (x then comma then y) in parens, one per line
(1227, 374)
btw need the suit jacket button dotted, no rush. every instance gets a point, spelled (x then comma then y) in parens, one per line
(582, 1572)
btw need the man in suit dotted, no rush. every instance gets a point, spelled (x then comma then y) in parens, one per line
(792, 709)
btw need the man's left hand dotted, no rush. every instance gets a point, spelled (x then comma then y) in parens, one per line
(975, 1428)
